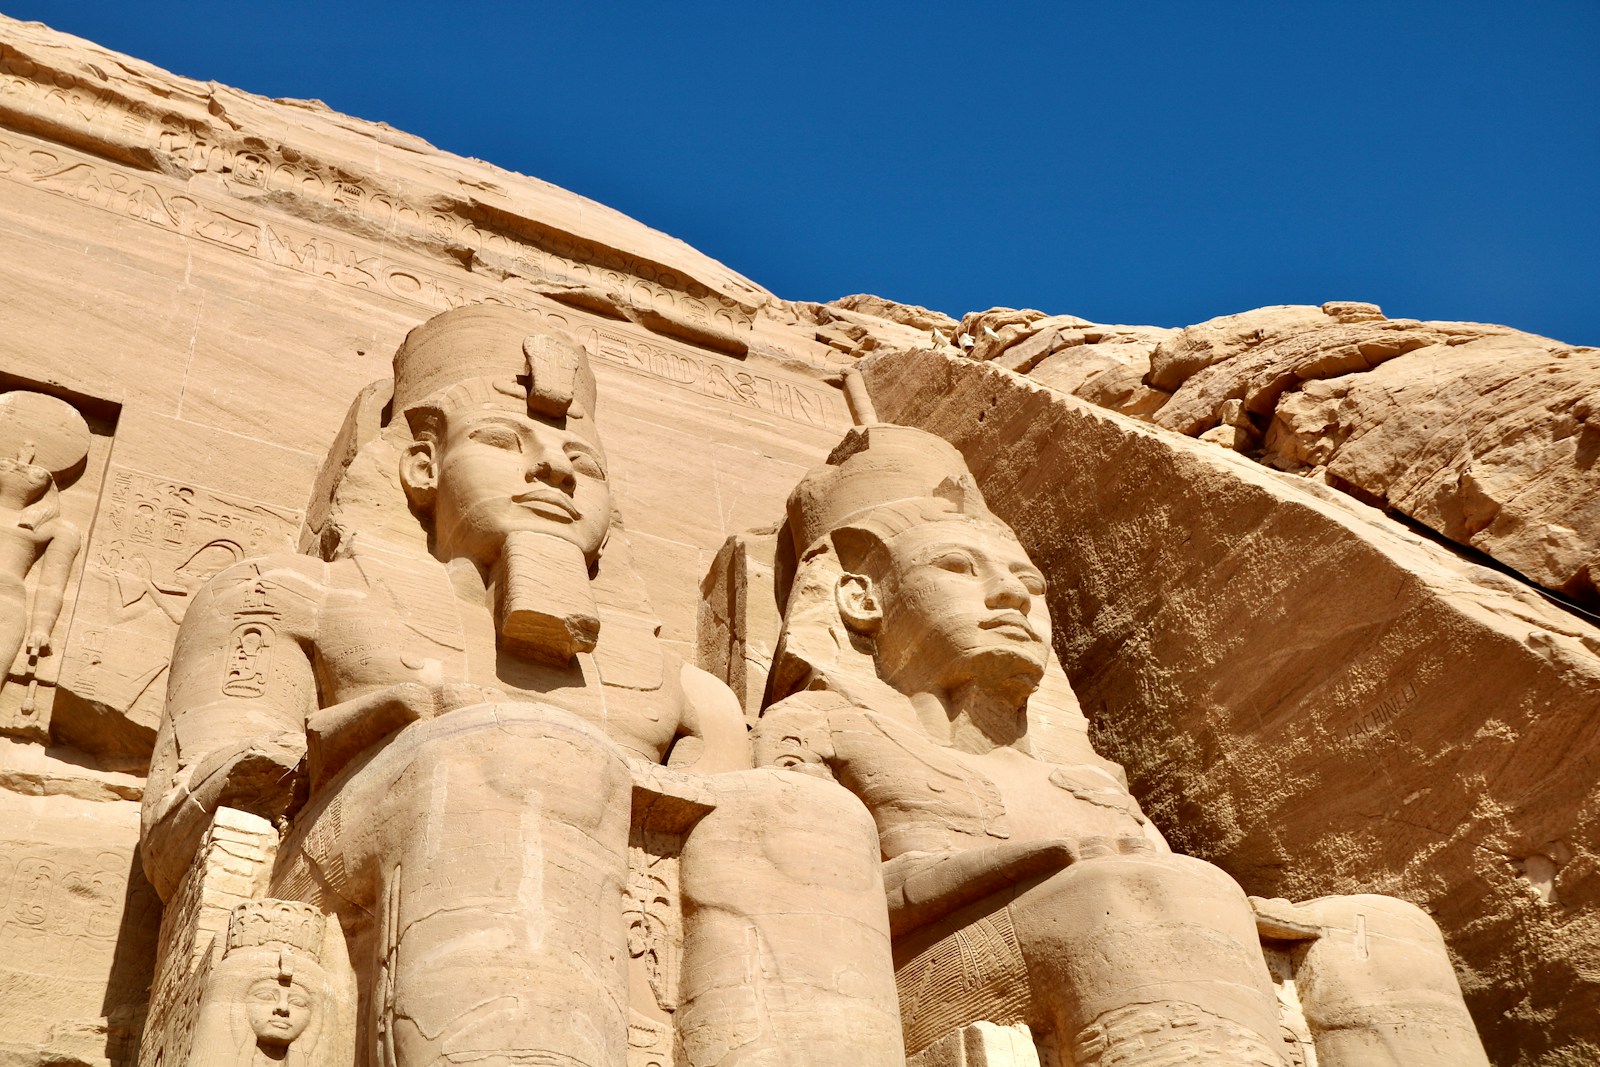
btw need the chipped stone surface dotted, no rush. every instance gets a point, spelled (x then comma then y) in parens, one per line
(1312, 696)
(1303, 690)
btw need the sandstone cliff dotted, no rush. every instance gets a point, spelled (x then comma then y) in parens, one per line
(1340, 642)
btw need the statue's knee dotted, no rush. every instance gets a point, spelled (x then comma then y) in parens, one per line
(1374, 946)
(790, 830)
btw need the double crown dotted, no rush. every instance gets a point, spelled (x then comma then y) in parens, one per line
(877, 466)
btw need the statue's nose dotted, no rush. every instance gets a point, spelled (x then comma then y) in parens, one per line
(282, 1006)
(551, 466)
(1007, 591)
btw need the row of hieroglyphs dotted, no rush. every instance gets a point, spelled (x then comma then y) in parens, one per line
(41, 891)
(237, 227)
(245, 166)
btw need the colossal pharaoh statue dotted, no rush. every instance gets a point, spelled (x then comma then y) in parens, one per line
(458, 713)
(1024, 883)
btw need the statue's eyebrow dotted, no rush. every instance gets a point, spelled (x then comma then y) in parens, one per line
(489, 418)
(929, 553)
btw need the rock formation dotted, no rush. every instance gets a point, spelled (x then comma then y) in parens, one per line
(1481, 434)
(436, 703)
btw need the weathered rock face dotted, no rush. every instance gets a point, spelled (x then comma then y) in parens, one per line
(1303, 690)
(206, 430)
(1480, 433)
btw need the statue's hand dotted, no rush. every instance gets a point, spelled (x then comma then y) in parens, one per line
(1284, 921)
(1056, 853)
(922, 887)
(262, 776)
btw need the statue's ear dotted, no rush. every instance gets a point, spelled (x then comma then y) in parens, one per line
(419, 473)
(859, 604)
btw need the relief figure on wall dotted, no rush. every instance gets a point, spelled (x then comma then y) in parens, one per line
(1024, 884)
(42, 440)
(450, 712)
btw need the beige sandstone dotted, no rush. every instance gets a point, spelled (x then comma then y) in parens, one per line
(239, 270)
(1025, 886)
(1479, 433)
(1304, 691)
(440, 601)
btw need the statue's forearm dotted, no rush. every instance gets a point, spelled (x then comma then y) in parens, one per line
(338, 734)
(925, 888)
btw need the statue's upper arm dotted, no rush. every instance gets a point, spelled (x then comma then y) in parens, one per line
(795, 733)
(239, 687)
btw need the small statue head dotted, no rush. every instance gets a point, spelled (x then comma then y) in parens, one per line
(29, 488)
(280, 1001)
(503, 434)
(42, 439)
(269, 991)
(901, 564)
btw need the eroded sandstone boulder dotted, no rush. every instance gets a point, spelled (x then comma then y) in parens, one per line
(1481, 433)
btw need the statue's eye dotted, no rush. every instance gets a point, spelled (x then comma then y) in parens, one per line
(955, 563)
(1032, 582)
(585, 463)
(497, 437)
(300, 1000)
(264, 994)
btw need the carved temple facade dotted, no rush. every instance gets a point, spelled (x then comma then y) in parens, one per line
(1295, 635)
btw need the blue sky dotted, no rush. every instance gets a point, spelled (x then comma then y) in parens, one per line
(1152, 163)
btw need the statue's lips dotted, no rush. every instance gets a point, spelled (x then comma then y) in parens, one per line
(1009, 620)
(550, 503)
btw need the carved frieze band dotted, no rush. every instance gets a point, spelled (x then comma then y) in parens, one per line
(242, 166)
(240, 229)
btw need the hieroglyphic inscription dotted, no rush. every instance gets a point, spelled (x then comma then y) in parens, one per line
(58, 96)
(235, 227)
(156, 542)
(41, 893)
(244, 166)
(652, 907)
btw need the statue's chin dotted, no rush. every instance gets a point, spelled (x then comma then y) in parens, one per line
(1010, 668)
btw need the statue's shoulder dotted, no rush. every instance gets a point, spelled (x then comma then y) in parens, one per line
(282, 583)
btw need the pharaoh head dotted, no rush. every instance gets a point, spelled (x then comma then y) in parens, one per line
(503, 438)
(901, 561)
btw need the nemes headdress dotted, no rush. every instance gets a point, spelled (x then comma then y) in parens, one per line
(879, 481)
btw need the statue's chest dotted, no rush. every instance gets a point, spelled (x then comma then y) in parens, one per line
(1044, 800)
(360, 646)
